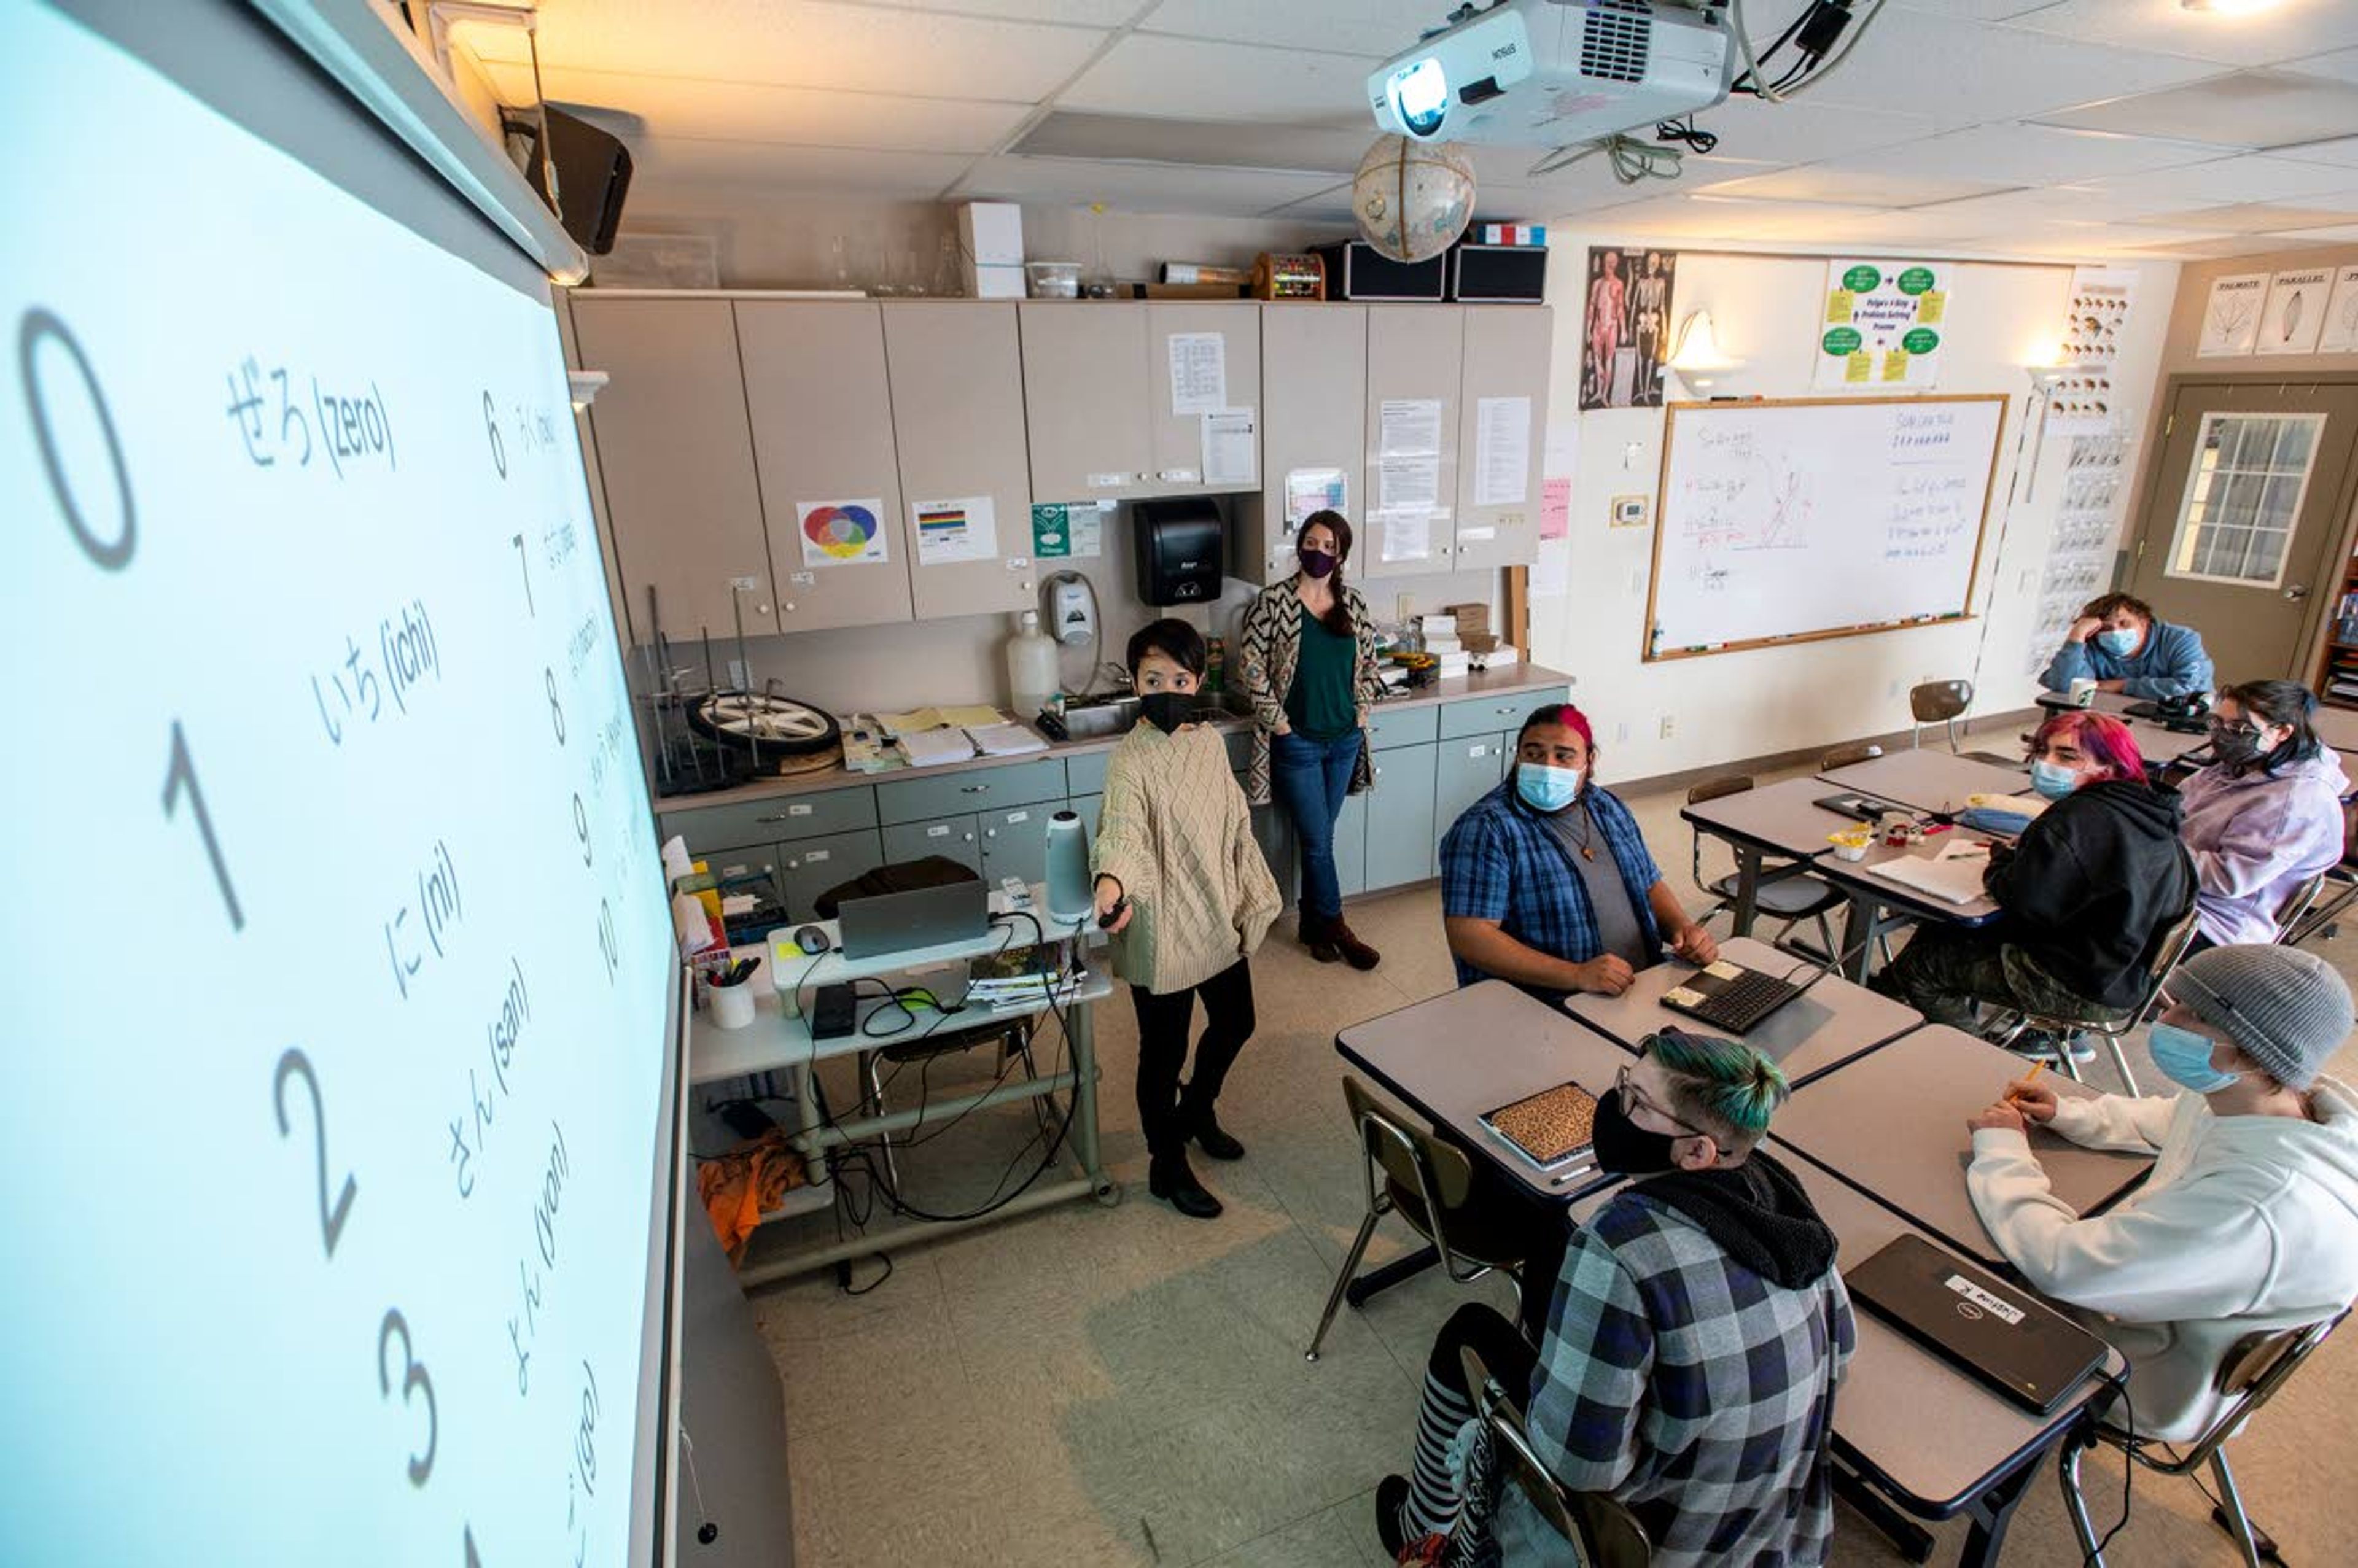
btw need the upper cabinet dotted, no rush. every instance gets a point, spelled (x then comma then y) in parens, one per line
(814, 385)
(1406, 524)
(1085, 395)
(1204, 360)
(677, 455)
(1501, 431)
(1314, 385)
(958, 420)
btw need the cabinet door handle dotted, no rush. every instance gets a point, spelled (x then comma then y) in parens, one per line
(991, 832)
(974, 789)
(780, 817)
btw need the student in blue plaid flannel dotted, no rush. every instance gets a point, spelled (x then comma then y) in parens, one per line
(1546, 881)
(1688, 1363)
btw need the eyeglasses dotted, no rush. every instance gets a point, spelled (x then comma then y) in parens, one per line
(1632, 1097)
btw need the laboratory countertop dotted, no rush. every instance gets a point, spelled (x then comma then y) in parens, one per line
(1520, 678)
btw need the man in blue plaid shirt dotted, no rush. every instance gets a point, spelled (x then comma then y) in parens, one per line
(1545, 880)
(1689, 1359)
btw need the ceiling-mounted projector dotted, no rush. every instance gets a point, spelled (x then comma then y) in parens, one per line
(1554, 72)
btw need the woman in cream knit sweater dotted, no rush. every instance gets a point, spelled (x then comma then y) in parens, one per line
(1190, 897)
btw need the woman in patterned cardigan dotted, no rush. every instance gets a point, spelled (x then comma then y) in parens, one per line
(1310, 671)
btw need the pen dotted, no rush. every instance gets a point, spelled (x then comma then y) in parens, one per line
(1571, 1175)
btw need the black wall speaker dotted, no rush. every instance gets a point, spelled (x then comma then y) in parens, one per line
(593, 174)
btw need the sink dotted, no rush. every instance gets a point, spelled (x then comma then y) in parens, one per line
(1095, 717)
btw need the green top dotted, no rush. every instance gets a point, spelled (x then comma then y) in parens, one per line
(1319, 706)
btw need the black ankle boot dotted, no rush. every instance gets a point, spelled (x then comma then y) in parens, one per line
(1205, 1130)
(1168, 1177)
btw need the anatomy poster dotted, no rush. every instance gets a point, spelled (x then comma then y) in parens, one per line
(1628, 323)
(1882, 325)
(2231, 320)
(2295, 311)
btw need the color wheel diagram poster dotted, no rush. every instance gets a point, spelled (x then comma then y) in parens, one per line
(961, 528)
(1882, 324)
(842, 533)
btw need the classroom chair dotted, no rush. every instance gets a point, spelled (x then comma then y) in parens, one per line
(1609, 1535)
(1425, 1180)
(2111, 1029)
(2258, 1365)
(1785, 893)
(1848, 756)
(2296, 907)
(1937, 702)
(2322, 918)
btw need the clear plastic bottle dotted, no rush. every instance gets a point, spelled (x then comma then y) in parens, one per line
(1031, 667)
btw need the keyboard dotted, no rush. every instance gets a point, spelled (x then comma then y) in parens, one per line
(1733, 1005)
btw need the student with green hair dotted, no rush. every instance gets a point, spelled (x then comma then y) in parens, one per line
(1688, 1361)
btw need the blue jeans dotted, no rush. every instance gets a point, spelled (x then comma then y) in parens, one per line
(1309, 779)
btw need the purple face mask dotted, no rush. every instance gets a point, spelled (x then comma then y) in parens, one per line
(1315, 562)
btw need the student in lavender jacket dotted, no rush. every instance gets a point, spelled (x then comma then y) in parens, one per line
(2121, 645)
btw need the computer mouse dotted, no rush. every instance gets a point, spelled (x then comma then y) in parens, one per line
(812, 939)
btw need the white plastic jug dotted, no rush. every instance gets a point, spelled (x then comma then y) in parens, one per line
(1031, 667)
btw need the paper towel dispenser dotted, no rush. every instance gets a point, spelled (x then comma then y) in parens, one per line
(1181, 545)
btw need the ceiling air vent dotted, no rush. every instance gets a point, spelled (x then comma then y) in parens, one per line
(1614, 40)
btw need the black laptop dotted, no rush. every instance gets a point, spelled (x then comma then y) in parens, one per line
(1734, 999)
(1999, 1335)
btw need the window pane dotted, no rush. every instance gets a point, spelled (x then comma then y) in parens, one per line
(2243, 496)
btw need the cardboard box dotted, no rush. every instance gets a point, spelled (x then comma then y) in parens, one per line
(994, 282)
(990, 233)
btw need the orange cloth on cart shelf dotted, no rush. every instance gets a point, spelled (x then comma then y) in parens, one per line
(738, 1187)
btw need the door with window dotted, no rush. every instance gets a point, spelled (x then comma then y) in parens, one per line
(2243, 528)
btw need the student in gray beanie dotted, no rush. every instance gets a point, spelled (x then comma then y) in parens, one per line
(2249, 1220)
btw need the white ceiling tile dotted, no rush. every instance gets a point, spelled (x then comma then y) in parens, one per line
(1827, 182)
(1973, 10)
(2254, 178)
(1379, 29)
(1803, 131)
(672, 173)
(1191, 80)
(2289, 30)
(2054, 203)
(2243, 109)
(2025, 154)
(2338, 234)
(2261, 217)
(1078, 13)
(757, 111)
(1964, 73)
(1729, 219)
(802, 43)
(1070, 132)
(1137, 187)
(2341, 65)
(2218, 248)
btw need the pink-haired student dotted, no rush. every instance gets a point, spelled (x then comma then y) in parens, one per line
(2084, 895)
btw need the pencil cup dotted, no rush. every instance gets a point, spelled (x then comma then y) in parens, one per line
(2083, 693)
(732, 1006)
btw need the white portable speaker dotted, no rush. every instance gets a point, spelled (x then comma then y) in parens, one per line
(1071, 889)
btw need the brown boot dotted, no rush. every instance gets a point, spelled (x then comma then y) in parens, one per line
(1318, 936)
(1362, 956)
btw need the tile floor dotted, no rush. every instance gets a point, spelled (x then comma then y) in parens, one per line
(1124, 1386)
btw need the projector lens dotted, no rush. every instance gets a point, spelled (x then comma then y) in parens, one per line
(1420, 94)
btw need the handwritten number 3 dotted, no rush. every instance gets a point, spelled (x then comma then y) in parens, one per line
(294, 1064)
(413, 1378)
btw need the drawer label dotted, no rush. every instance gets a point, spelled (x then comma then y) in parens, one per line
(813, 856)
(938, 832)
(1016, 817)
(1477, 750)
(798, 811)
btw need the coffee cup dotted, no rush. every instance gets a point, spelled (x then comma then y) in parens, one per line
(2083, 693)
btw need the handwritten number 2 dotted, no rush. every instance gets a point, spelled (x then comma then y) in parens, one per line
(413, 1378)
(182, 778)
(294, 1064)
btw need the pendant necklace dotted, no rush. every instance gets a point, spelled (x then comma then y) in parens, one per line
(1588, 826)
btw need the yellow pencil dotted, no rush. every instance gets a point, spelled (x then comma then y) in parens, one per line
(2036, 1068)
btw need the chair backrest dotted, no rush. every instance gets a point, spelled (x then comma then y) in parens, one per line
(1407, 1154)
(1609, 1535)
(2248, 1377)
(2168, 951)
(1718, 787)
(2297, 904)
(1844, 756)
(1938, 701)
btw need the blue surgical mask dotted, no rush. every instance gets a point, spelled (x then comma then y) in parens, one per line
(2052, 780)
(1544, 788)
(2184, 1057)
(2120, 641)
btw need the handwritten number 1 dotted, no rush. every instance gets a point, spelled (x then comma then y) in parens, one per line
(181, 778)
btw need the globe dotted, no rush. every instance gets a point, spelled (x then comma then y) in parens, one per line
(1411, 198)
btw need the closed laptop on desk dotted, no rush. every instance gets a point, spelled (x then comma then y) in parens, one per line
(1998, 1333)
(885, 923)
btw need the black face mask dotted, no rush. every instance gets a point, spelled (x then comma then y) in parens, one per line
(2236, 745)
(1625, 1148)
(1167, 710)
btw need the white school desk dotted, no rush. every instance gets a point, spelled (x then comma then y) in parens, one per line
(1875, 901)
(1808, 1037)
(1467, 1051)
(1926, 779)
(1773, 819)
(1892, 1124)
(1912, 1430)
(2337, 726)
(2157, 742)
(778, 1041)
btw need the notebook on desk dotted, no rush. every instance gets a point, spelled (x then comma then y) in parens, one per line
(1996, 1332)
(1953, 876)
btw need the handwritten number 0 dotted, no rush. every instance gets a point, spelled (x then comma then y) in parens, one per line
(413, 1378)
(294, 1064)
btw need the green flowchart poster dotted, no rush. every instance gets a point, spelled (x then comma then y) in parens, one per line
(1882, 325)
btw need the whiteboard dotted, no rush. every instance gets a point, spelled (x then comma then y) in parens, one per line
(1818, 517)
(338, 965)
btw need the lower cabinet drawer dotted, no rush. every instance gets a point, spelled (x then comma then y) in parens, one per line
(955, 839)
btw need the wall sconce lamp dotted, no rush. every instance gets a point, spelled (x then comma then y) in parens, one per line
(1696, 355)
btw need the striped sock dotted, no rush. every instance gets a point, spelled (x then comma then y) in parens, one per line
(1432, 1505)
